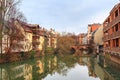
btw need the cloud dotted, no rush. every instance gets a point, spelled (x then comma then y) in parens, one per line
(99, 17)
(66, 15)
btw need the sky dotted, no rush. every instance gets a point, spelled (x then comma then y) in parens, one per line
(66, 15)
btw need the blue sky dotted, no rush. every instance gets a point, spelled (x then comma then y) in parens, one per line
(66, 15)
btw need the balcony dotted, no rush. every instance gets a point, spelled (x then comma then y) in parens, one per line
(36, 43)
(113, 50)
(112, 23)
(114, 35)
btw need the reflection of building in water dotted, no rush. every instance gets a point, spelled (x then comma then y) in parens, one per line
(40, 65)
(3, 74)
(55, 61)
(107, 70)
(102, 70)
(49, 64)
(90, 65)
(52, 64)
(87, 61)
(102, 73)
(42, 68)
(20, 72)
(17, 72)
(27, 72)
(81, 61)
(11, 73)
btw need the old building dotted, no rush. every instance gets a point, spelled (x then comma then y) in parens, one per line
(35, 37)
(82, 39)
(98, 39)
(98, 36)
(91, 30)
(11, 41)
(25, 44)
(93, 26)
(52, 39)
(41, 39)
(112, 34)
(38, 37)
(5, 43)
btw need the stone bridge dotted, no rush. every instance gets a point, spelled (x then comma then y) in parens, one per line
(78, 49)
(81, 47)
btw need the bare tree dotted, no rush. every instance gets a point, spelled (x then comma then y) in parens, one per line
(8, 12)
(16, 34)
(16, 14)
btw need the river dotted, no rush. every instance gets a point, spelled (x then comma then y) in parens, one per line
(54, 67)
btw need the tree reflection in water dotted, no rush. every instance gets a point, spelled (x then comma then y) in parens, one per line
(53, 65)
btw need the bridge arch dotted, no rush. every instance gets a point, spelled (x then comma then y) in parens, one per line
(81, 47)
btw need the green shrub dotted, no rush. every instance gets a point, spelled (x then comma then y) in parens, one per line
(32, 53)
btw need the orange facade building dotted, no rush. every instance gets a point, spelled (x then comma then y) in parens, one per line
(112, 34)
(93, 27)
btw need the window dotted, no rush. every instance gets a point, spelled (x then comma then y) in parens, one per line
(106, 32)
(109, 43)
(117, 42)
(112, 29)
(116, 13)
(113, 43)
(116, 27)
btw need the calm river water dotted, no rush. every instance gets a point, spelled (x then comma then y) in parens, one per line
(54, 67)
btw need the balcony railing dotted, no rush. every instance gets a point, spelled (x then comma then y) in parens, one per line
(113, 50)
(112, 23)
(114, 35)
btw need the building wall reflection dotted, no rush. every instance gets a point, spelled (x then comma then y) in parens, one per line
(38, 69)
